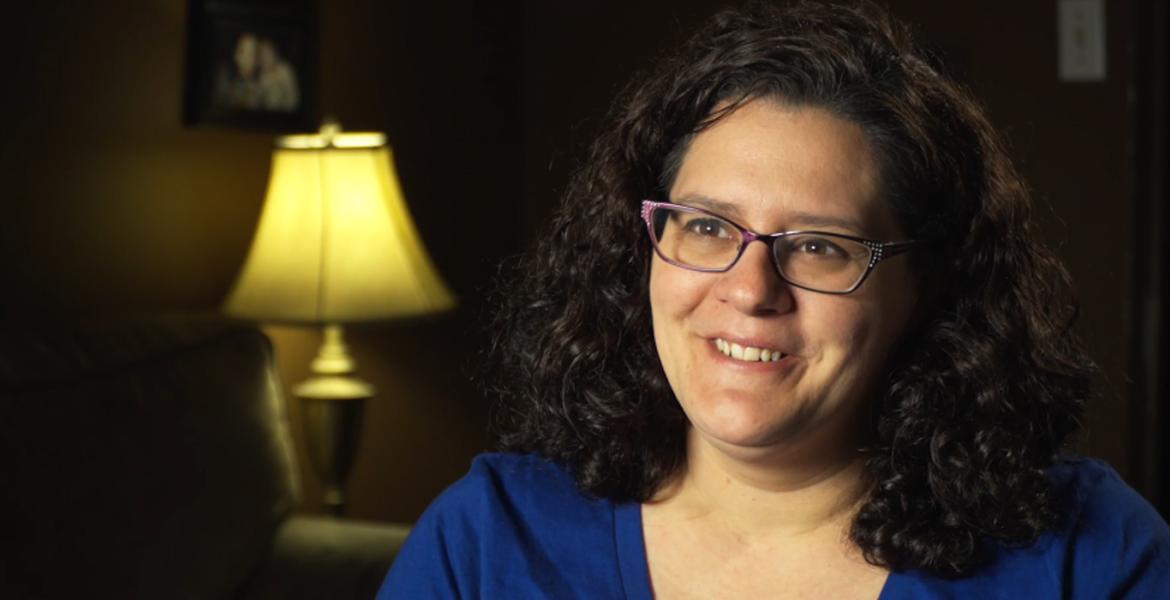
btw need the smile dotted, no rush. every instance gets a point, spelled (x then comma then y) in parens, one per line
(749, 353)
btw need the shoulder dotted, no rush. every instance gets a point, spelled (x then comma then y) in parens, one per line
(511, 522)
(1110, 544)
(511, 489)
(1096, 498)
(520, 486)
(1102, 510)
(518, 475)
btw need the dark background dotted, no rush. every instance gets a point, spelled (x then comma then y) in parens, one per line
(112, 206)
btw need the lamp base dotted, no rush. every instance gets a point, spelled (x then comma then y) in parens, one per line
(332, 402)
(331, 430)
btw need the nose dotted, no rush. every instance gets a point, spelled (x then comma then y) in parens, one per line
(753, 286)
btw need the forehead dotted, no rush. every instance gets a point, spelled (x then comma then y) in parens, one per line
(777, 166)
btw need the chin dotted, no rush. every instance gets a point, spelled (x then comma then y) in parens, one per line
(745, 432)
(747, 422)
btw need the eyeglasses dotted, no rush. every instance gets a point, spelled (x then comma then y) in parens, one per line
(699, 240)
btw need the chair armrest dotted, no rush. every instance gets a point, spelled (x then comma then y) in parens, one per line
(324, 557)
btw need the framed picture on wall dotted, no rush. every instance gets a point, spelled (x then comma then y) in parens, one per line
(251, 64)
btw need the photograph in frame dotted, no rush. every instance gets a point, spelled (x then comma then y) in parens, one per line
(251, 65)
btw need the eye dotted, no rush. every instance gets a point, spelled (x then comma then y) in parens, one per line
(708, 227)
(818, 246)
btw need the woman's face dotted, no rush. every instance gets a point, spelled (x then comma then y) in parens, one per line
(771, 168)
(245, 55)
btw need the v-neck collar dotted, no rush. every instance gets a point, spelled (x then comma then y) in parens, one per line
(630, 544)
(631, 551)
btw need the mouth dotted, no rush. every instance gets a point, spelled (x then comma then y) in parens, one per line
(747, 353)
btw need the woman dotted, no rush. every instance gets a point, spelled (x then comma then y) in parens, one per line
(868, 402)
(277, 79)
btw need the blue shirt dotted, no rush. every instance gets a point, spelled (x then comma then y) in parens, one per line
(517, 527)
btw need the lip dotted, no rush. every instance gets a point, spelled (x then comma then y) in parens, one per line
(749, 366)
(743, 366)
(750, 341)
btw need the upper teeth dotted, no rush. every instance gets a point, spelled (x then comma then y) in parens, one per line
(748, 353)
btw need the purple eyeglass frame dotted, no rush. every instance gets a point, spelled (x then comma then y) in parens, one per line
(878, 251)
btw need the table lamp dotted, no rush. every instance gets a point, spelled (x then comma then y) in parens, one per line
(335, 245)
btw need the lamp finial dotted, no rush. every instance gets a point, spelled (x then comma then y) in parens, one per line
(330, 128)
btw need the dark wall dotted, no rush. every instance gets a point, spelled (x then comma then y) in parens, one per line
(113, 206)
(1150, 414)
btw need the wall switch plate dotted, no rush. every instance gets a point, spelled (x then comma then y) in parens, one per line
(1082, 40)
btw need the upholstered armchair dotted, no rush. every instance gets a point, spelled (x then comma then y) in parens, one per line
(151, 458)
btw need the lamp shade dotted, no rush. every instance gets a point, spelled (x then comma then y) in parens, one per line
(335, 241)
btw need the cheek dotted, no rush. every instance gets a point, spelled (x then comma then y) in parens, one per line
(675, 294)
(846, 339)
(844, 334)
(861, 338)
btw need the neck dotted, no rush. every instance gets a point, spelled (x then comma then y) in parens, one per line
(757, 493)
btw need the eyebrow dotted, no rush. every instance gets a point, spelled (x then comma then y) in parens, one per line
(798, 219)
(815, 220)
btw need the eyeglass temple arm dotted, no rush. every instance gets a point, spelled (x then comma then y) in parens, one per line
(895, 248)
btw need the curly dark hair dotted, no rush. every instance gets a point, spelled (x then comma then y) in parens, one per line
(981, 395)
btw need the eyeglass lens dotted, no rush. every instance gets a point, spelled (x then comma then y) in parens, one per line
(702, 241)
